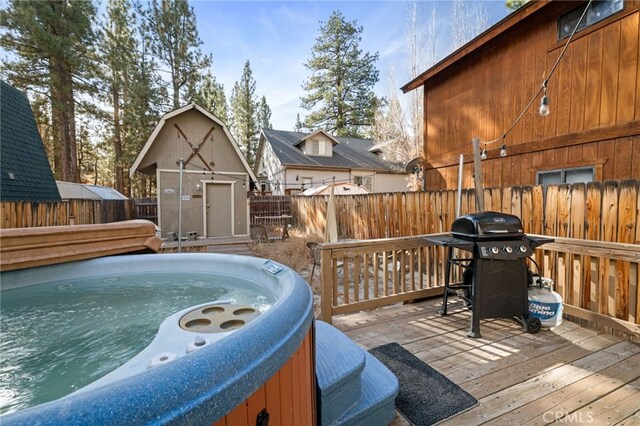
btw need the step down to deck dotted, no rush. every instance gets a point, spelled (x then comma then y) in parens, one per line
(377, 405)
(339, 365)
(354, 387)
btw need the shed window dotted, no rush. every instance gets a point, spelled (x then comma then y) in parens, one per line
(598, 11)
(577, 175)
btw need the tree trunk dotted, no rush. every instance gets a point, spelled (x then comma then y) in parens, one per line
(56, 124)
(60, 117)
(117, 140)
(70, 107)
(176, 89)
(63, 119)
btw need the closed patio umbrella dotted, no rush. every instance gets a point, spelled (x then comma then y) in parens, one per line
(331, 228)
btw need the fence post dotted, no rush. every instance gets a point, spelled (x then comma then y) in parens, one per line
(477, 174)
(326, 283)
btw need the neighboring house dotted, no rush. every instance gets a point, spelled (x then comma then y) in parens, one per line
(291, 162)
(593, 130)
(85, 191)
(216, 177)
(25, 173)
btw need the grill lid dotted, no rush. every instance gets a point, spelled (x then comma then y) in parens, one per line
(487, 226)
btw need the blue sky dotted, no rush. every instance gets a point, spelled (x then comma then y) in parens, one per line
(277, 37)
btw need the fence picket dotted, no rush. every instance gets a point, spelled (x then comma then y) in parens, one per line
(627, 202)
(609, 233)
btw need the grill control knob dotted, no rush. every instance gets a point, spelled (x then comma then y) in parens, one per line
(495, 250)
(522, 249)
(507, 249)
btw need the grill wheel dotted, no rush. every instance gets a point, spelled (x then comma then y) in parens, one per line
(533, 325)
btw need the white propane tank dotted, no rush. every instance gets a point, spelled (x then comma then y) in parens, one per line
(544, 303)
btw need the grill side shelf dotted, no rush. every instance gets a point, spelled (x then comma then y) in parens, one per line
(538, 241)
(450, 241)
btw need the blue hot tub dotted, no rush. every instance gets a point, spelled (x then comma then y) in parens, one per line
(191, 369)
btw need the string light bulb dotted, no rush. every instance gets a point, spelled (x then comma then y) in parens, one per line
(544, 103)
(503, 150)
(483, 154)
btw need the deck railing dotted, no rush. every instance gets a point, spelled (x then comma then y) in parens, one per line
(364, 274)
(599, 281)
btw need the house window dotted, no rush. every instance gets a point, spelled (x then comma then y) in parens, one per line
(365, 181)
(598, 11)
(316, 147)
(577, 175)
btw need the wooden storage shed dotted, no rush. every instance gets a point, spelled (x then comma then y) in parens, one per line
(593, 130)
(216, 176)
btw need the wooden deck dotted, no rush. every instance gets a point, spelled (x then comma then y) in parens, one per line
(573, 373)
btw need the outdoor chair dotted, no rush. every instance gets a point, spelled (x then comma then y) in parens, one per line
(315, 253)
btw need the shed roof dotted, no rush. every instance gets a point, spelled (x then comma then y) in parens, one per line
(351, 153)
(25, 173)
(85, 191)
(338, 189)
(179, 111)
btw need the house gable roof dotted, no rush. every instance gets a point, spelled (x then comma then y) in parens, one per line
(24, 167)
(480, 43)
(176, 112)
(349, 153)
(319, 132)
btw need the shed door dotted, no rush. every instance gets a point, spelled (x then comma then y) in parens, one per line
(219, 210)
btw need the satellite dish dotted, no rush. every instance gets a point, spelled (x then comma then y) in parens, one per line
(411, 166)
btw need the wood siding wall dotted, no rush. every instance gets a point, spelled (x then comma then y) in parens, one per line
(169, 145)
(288, 397)
(595, 105)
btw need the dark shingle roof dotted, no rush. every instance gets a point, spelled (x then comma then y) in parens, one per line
(350, 153)
(25, 174)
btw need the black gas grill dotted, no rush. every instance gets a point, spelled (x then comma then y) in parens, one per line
(494, 280)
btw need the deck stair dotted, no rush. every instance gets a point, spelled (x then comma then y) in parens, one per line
(354, 388)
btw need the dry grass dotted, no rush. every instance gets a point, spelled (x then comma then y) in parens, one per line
(294, 253)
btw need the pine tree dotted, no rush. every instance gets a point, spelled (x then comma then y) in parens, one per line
(119, 49)
(298, 126)
(244, 113)
(209, 94)
(176, 43)
(142, 110)
(53, 42)
(515, 4)
(264, 114)
(340, 89)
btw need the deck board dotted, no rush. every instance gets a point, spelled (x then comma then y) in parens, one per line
(518, 378)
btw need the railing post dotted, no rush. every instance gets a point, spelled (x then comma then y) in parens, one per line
(326, 282)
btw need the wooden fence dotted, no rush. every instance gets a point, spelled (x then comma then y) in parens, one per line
(599, 281)
(71, 212)
(276, 207)
(147, 208)
(606, 211)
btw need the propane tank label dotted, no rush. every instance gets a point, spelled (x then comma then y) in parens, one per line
(543, 310)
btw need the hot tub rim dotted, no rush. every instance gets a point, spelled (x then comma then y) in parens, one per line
(212, 398)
